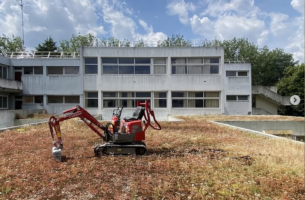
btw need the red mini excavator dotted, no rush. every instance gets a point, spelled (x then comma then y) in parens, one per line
(121, 137)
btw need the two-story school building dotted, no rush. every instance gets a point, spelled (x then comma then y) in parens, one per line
(176, 80)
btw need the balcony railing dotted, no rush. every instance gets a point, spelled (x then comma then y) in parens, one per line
(42, 54)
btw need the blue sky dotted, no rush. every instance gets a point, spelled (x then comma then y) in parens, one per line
(275, 23)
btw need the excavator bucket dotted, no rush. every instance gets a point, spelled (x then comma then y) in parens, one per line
(56, 152)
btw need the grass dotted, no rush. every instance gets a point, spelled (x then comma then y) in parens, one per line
(194, 159)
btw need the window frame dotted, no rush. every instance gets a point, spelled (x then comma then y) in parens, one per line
(91, 98)
(2, 102)
(187, 97)
(2, 67)
(237, 73)
(120, 64)
(63, 71)
(206, 67)
(33, 99)
(119, 98)
(237, 98)
(33, 70)
(90, 64)
(64, 99)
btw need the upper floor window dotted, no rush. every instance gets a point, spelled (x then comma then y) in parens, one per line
(126, 65)
(236, 73)
(3, 102)
(3, 71)
(54, 70)
(159, 65)
(195, 65)
(237, 97)
(32, 70)
(90, 65)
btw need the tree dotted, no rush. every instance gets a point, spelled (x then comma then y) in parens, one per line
(76, 42)
(47, 45)
(176, 40)
(13, 44)
(292, 84)
(267, 66)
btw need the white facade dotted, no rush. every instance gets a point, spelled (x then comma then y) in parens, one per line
(177, 81)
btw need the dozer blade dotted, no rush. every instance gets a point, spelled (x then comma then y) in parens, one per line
(56, 152)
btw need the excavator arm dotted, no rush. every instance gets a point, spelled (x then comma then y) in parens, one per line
(54, 125)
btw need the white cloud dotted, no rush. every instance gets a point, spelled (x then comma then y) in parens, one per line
(298, 5)
(43, 18)
(278, 23)
(216, 8)
(180, 8)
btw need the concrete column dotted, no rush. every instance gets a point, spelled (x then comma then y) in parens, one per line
(168, 66)
(100, 105)
(45, 100)
(99, 66)
(169, 100)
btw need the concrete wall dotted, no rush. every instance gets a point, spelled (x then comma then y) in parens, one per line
(265, 104)
(297, 127)
(10, 84)
(7, 117)
(4, 61)
(237, 86)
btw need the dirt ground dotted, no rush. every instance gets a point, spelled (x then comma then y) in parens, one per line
(193, 159)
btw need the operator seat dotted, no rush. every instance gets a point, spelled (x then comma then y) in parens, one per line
(137, 114)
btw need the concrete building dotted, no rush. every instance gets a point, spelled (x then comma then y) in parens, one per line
(176, 80)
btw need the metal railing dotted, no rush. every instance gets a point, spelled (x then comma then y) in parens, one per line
(42, 54)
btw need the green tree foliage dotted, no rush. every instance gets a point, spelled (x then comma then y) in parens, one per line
(47, 45)
(176, 40)
(76, 42)
(292, 84)
(267, 65)
(7, 44)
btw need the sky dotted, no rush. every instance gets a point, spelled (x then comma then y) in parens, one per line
(274, 23)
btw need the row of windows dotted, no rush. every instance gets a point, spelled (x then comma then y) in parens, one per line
(3, 72)
(50, 70)
(51, 99)
(236, 73)
(142, 65)
(129, 99)
(3, 102)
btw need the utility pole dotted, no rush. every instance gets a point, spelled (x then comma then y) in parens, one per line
(20, 3)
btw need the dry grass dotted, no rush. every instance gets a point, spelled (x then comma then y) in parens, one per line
(194, 159)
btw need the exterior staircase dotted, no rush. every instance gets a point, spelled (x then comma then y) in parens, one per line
(271, 95)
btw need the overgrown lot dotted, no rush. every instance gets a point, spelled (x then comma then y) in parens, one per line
(194, 159)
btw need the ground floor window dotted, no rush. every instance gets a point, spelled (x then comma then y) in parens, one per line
(91, 99)
(160, 100)
(195, 99)
(63, 99)
(32, 99)
(3, 102)
(125, 99)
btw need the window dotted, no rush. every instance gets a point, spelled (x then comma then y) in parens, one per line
(126, 65)
(33, 99)
(125, 99)
(91, 99)
(237, 97)
(160, 100)
(90, 65)
(64, 99)
(63, 70)
(236, 73)
(32, 70)
(3, 102)
(195, 99)
(195, 65)
(3, 71)
(159, 65)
